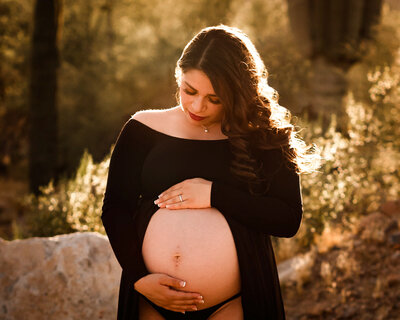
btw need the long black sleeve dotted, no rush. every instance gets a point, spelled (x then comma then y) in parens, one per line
(278, 213)
(121, 198)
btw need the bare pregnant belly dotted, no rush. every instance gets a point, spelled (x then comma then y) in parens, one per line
(195, 245)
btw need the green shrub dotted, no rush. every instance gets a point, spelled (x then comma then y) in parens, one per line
(72, 205)
(359, 172)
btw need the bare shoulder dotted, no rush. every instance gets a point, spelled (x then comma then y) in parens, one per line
(155, 118)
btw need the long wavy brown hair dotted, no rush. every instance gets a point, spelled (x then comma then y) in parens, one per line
(253, 119)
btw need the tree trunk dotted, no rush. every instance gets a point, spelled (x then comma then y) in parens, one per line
(328, 90)
(43, 122)
(329, 32)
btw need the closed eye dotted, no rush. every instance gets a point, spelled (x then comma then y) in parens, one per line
(192, 93)
(216, 101)
(189, 92)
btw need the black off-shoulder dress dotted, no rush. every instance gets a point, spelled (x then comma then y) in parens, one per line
(146, 162)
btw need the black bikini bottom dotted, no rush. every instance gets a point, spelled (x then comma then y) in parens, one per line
(192, 315)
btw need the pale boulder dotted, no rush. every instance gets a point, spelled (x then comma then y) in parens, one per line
(73, 276)
(298, 268)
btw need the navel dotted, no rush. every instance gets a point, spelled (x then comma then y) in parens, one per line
(177, 256)
(177, 259)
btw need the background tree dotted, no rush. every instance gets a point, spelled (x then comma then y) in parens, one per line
(117, 57)
(43, 122)
(330, 33)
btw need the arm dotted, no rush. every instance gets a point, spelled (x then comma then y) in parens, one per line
(278, 213)
(120, 200)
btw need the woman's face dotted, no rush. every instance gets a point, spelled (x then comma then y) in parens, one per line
(198, 99)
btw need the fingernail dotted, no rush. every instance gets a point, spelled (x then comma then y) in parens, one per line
(167, 206)
(194, 308)
(160, 195)
(155, 201)
(183, 312)
(183, 283)
(201, 301)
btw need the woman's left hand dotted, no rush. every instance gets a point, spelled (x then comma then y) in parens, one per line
(194, 193)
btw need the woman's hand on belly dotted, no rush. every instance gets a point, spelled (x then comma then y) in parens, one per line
(195, 193)
(166, 292)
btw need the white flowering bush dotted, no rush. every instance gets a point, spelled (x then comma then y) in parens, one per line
(360, 171)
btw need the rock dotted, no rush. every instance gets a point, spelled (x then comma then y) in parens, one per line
(348, 312)
(297, 269)
(392, 226)
(395, 256)
(382, 312)
(393, 279)
(326, 272)
(74, 276)
(372, 227)
(390, 208)
(319, 308)
(395, 238)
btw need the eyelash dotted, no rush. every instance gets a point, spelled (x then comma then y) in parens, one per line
(193, 93)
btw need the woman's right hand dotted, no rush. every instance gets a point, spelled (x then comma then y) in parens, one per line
(166, 292)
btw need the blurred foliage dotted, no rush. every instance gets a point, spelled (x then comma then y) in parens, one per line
(358, 173)
(15, 17)
(379, 52)
(73, 205)
(119, 56)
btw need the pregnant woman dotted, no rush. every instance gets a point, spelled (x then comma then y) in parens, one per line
(194, 192)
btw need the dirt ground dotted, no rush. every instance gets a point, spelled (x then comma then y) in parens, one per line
(356, 278)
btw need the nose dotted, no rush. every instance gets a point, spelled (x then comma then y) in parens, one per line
(198, 104)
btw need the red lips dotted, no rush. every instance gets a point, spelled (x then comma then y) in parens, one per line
(194, 117)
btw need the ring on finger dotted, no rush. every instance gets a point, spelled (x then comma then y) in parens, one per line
(180, 197)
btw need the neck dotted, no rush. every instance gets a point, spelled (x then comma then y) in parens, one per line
(207, 128)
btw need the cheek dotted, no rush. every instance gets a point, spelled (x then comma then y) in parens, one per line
(185, 99)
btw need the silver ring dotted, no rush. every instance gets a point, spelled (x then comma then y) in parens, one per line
(180, 197)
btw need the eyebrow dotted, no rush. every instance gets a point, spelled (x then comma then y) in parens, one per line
(211, 95)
